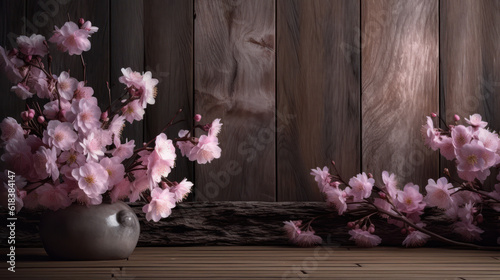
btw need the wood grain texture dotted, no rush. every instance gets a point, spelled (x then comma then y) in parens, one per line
(126, 50)
(318, 76)
(168, 42)
(399, 87)
(256, 223)
(235, 81)
(11, 26)
(97, 59)
(470, 64)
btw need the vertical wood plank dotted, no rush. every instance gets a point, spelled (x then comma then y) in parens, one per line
(470, 57)
(97, 59)
(399, 87)
(235, 81)
(11, 26)
(318, 76)
(168, 41)
(126, 50)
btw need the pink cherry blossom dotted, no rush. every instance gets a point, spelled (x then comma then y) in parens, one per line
(70, 160)
(390, 183)
(215, 128)
(121, 190)
(116, 126)
(322, 178)
(430, 134)
(60, 135)
(140, 184)
(468, 231)
(131, 78)
(82, 91)
(337, 198)
(184, 146)
(488, 139)
(10, 65)
(470, 158)
(149, 94)
(81, 197)
(32, 45)
(476, 121)
(307, 239)
(446, 147)
(416, 239)
(92, 147)
(45, 163)
(165, 148)
(439, 193)
(181, 190)
(383, 205)
(123, 151)
(144, 86)
(467, 212)
(461, 135)
(11, 129)
(162, 202)
(17, 155)
(51, 110)
(72, 39)
(158, 168)
(85, 115)
(361, 186)
(133, 111)
(87, 25)
(292, 229)
(92, 178)
(116, 170)
(53, 197)
(41, 84)
(66, 85)
(363, 238)
(22, 91)
(206, 150)
(410, 200)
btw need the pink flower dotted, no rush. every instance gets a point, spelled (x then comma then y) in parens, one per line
(116, 170)
(81, 197)
(121, 190)
(206, 150)
(461, 135)
(165, 148)
(133, 111)
(337, 198)
(322, 177)
(17, 155)
(468, 231)
(390, 184)
(447, 148)
(292, 229)
(307, 239)
(51, 109)
(363, 238)
(361, 187)
(158, 168)
(85, 114)
(439, 193)
(72, 39)
(60, 135)
(383, 205)
(82, 91)
(116, 126)
(416, 239)
(467, 212)
(11, 129)
(93, 147)
(488, 139)
(162, 202)
(184, 146)
(10, 65)
(470, 157)
(123, 151)
(92, 178)
(45, 163)
(181, 190)
(66, 85)
(131, 78)
(87, 25)
(32, 45)
(215, 128)
(140, 184)
(53, 197)
(476, 121)
(70, 160)
(430, 134)
(149, 93)
(410, 200)
(22, 91)
(142, 86)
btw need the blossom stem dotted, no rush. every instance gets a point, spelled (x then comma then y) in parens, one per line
(84, 69)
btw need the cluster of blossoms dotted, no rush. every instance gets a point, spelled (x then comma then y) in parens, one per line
(67, 150)
(475, 150)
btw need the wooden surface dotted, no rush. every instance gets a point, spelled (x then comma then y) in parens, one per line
(234, 80)
(324, 262)
(399, 87)
(318, 93)
(257, 223)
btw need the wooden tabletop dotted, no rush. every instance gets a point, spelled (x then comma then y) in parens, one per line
(257, 262)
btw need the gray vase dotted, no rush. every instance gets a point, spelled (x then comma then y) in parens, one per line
(98, 232)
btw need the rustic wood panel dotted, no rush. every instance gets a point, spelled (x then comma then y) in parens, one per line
(97, 58)
(235, 81)
(127, 50)
(399, 87)
(470, 68)
(168, 41)
(318, 76)
(11, 26)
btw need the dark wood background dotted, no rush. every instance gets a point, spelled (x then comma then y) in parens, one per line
(297, 83)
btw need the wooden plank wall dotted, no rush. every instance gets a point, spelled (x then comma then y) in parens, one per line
(297, 83)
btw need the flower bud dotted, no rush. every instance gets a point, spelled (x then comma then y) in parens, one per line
(40, 119)
(25, 116)
(350, 224)
(364, 228)
(197, 117)
(382, 195)
(371, 229)
(104, 116)
(403, 231)
(370, 175)
(456, 118)
(479, 218)
(81, 21)
(433, 115)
